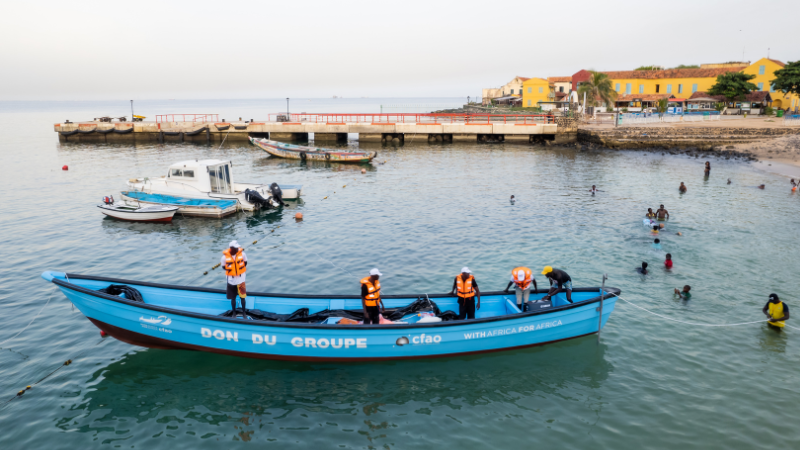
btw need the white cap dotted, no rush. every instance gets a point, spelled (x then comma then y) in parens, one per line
(234, 244)
(465, 269)
(375, 272)
(521, 275)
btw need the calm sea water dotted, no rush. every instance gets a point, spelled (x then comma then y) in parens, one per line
(419, 214)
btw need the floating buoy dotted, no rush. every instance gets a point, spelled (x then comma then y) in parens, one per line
(325, 197)
(65, 167)
(363, 170)
(254, 242)
(298, 217)
(103, 334)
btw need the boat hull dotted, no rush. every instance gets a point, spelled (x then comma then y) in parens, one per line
(185, 210)
(163, 214)
(154, 326)
(289, 151)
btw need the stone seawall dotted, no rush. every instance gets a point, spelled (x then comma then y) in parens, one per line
(703, 138)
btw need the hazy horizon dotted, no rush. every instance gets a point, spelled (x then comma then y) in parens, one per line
(56, 51)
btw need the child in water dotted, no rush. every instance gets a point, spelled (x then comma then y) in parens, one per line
(655, 230)
(684, 294)
(668, 261)
(794, 185)
(642, 270)
(657, 244)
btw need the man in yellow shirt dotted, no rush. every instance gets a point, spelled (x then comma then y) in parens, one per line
(776, 311)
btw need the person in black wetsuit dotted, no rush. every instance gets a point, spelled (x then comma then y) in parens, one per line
(559, 280)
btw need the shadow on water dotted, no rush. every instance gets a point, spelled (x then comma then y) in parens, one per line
(163, 386)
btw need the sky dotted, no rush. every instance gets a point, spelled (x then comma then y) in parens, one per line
(101, 50)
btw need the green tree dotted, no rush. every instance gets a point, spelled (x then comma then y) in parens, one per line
(598, 89)
(687, 66)
(719, 106)
(788, 79)
(733, 85)
(661, 107)
(649, 68)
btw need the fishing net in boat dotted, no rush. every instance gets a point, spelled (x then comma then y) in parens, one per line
(123, 291)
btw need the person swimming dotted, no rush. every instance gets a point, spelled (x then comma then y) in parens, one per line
(513, 199)
(708, 169)
(682, 188)
(656, 244)
(650, 214)
(668, 261)
(593, 190)
(642, 270)
(655, 229)
(684, 294)
(794, 185)
(729, 181)
(662, 213)
(762, 186)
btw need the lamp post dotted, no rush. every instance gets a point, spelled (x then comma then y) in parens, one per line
(131, 110)
(287, 106)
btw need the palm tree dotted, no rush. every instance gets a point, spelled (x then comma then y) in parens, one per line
(598, 89)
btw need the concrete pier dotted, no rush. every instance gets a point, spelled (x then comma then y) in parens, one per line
(397, 133)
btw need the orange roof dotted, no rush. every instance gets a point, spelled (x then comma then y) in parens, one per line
(523, 78)
(559, 79)
(671, 73)
(780, 63)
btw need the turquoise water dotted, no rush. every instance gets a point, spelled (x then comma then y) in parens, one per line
(419, 214)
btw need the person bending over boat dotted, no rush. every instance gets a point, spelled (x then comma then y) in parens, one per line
(371, 297)
(559, 280)
(466, 288)
(522, 278)
(234, 261)
(662, 213)
(777, 312)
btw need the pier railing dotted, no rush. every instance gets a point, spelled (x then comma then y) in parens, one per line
(187, 118)
(414, 118)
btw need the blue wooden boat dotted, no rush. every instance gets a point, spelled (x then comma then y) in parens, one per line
(189, 318)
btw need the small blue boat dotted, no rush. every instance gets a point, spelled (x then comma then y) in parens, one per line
(199, 207)
(304, 328)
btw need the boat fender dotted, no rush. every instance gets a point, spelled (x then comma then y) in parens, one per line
(401, 341)
(108, 200)
(65, 167)
(103, 334)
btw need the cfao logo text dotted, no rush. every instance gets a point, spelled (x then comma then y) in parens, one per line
(426, 339)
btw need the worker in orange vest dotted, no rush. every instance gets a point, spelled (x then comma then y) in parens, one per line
(371, 297)
(522, 278)
(466, 288)
(234, 262)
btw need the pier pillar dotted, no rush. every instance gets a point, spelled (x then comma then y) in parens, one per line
(370, 137)
(393, 138)
(289, 136)
(330, 137)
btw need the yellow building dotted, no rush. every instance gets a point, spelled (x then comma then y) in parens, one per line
(681, 83)
(764, 70)
(535, 90)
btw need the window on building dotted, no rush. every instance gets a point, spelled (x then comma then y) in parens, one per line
(658, 86)
(680, 89)
(761, 70)
(530, 90)
(641, 89)
(529, 102)
(669, 89)
(561, 89)
(760, 86)
(771, 87)
(627, 88)
(694, 88)
(617, 89)
(541, 90)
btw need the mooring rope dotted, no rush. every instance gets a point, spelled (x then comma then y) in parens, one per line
(29, 323)
(64, 364)
(694, 323)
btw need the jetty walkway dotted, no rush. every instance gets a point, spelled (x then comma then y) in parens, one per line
(326, 127)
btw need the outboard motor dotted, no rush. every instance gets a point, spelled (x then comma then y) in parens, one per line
(255, 198)
(108, 200)
(277, 193)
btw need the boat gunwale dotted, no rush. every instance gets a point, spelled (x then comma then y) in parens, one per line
(139, 210)
(610, 293)
(312, 150)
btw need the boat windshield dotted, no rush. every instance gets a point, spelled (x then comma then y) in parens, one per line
(220, 178)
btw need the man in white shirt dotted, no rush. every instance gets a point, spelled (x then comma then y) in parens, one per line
(234, 262)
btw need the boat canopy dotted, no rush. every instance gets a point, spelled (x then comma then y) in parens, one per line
(208, 175)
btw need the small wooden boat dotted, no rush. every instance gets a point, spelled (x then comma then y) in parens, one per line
(290, 151)
(136, 213)
(198, 207)
(306, 328)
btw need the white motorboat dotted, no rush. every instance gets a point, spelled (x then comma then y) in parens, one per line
(213, 179)
(137, 213)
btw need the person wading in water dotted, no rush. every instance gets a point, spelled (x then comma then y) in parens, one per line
(662, 214)
(777, 312)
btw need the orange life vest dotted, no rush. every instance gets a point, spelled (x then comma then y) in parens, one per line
(465, 289)
(234, 265)
(528, 277)
(374, 290)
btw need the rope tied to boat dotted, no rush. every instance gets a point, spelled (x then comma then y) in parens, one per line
(695, 323)
(29, 323)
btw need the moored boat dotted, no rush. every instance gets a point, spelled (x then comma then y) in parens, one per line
(137, 213)
(213, 179)
(291, 151)
(302, 327)
(197, 207)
